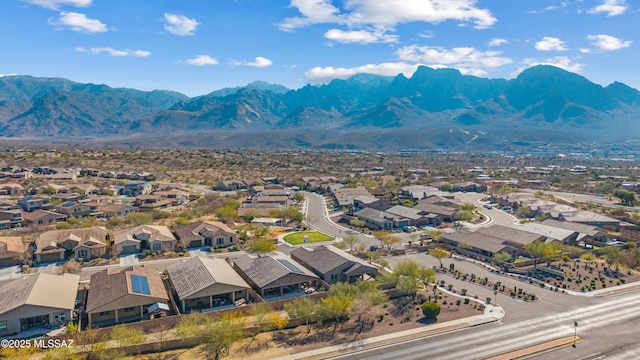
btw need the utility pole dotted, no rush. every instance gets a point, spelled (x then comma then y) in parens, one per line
(575, 333)
(495, 296)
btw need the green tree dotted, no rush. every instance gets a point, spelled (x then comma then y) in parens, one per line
(304, 309)
(107, 192)
(381, 236)
(612, 255)
(502, 257)
(467, 207)
(446, 187)
(390, 240)
(298, 197)
(410, 277)
(216, 333)
(49, 190)
(261, 246)
(523, 211)
(539, 250)
(138, 218)
(351, 241)
(430, 310)
(626, 197)
(124, 336)
(63, 225)
(250, 215)
(227, 213)
(336, 307)
(439, 253)
(372, 255)
(357, 222)
(464, 215)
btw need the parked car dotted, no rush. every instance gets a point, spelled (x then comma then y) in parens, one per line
(487, 206)
(374, 248)
(506, 208)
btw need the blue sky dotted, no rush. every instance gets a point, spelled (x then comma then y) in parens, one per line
(197, 46)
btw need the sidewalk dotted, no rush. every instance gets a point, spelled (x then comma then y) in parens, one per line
(491, 314)
(537, 349)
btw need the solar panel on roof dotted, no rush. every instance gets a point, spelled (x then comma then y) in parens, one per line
(290, 266)
(140, 284)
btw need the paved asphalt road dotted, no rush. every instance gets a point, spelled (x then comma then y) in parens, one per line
(608, 328)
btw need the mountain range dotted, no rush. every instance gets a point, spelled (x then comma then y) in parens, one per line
(434, 108)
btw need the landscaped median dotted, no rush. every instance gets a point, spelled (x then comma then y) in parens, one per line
(298, 238)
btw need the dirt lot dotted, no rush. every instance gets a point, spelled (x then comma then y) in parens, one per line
(397, 317)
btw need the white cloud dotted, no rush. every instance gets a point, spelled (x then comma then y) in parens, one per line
(202, 60)
(427, 34)
(360, 36)
(180, 25)
(260, 62)
(498, 42)
(386, 14)
(56, 4)
(585, 50)
(550, 44)
(562, 62)
(80, 23)
(468, 60)
(611, 7)
(562, 4)
(608, 42)
(326, 74)
(313, 12)
(3, 75)
(114, 52)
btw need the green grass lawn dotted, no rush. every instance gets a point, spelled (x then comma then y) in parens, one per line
(297, 238)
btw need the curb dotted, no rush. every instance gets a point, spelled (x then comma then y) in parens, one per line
(531, 351)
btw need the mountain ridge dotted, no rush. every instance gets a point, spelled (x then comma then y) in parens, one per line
(541, 98)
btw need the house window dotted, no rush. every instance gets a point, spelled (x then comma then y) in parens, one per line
(157, 246)
(82, 254)
(3, 326)
(39, 222)
(334, 277)
(220, 241)
(129, 309)
(104, 313)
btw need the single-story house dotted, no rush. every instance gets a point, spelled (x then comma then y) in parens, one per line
(444, 213)
(332, 264)
(375, 219)
(205, 233)
(230, 185)
(206, 283)
(140, 238)
(416, 217)
(588, 234)
(11, 189)
(274, 274)
(28, 302)
(117, 210)
(80, 244)
(481, 244)
(118, 295)
(468, 186)
(43, 217)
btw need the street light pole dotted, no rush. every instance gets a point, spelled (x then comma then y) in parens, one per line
(575, 333)
(495, 296)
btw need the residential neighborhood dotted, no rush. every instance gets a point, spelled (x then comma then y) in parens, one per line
(135, 252)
